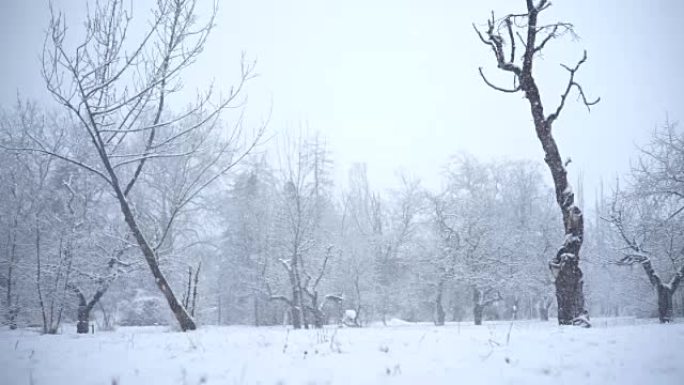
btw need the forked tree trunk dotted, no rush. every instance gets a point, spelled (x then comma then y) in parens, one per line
(482, 299)
(665, 291)
(85, 307)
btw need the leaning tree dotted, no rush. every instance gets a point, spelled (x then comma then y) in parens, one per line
(503, 36)
(117, 92)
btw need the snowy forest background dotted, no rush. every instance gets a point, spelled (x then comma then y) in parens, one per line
(246, 225)
(411, 253)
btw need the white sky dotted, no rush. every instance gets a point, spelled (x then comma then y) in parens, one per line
(394, 83)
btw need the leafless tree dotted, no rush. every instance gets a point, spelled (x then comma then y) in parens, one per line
(395, 223)
(117, 92)
(305, 210)
(360, 230)
(524, 30)
(652, 207)
(636, 254)
(86, 304)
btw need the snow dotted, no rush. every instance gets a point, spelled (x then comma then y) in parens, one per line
(615, 351)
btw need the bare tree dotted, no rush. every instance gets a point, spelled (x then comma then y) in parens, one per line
(14, 206)
(503, 36)
(482, 299)
(53, 216)
(395, 225)
(652, 207)
(636, 254)
(118, 98)
(306, 214)
(446, 259)
(360, 229)
(466, 223)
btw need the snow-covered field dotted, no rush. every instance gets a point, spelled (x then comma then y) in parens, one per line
(623, 351)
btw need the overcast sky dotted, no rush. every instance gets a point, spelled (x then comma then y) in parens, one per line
(394, 83)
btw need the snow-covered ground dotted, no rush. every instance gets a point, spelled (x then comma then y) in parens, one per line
(623, 351)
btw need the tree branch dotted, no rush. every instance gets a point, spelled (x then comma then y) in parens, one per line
(571, 83)
(487, 82)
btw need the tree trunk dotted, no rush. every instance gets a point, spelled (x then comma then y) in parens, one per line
(477, 305)
(477, 314)
(12, 317)
(439, 308)
(257, 319)
(83, 323)
(184, 319)
(41, 302)
(12, 298)
(665, 291)
(665, 309)
(481, 299)
(456, 315)
(85, 307)
(570, 294)
(194, 290)
(296, 308)
(565, 266)
(317, 313)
